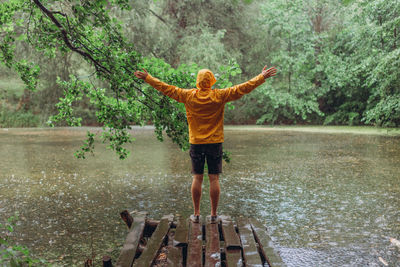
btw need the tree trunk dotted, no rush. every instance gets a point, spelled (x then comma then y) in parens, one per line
(107, 261)
(290, 63)
(318, 28)
(382, 41)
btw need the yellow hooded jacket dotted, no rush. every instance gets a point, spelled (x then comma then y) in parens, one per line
(205, 106)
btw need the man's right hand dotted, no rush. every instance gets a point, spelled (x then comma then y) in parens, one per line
(268, 72)
(141, 75)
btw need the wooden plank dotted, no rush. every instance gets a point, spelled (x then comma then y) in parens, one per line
(266, 245)
(213, 252)
(127, 218)
(251, 256)
(195, 245)
(233, 251)
(153, 245)
(231, 238)
(128, 251)
(175, 256)
(233, 257)
(182, 232)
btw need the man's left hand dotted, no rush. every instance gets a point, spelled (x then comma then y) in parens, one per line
(141, 75)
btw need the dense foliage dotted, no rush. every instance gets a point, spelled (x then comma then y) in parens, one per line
(338, 61)
(361, 66)
(88, 29)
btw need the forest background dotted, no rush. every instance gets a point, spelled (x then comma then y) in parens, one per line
(338, 61)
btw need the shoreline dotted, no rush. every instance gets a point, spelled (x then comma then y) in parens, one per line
(364, 130)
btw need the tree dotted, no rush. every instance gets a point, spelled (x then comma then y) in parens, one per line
(384, 77)
(362, 66)
(297, 34)
(88, 29)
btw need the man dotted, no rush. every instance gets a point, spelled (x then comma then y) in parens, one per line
(205, 116)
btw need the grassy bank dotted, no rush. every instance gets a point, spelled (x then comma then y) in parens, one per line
(11, 118)
(371, 130)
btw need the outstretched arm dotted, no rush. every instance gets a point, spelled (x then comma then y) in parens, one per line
(172, 91)
(237, 91)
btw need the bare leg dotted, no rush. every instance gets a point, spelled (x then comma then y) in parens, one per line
(196, 192)
(214, 192)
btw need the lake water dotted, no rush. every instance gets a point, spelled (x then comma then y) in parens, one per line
(328, 199)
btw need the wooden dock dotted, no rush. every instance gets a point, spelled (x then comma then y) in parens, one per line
(176, 241)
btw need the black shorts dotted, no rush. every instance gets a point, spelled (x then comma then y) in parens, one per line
(210, 152)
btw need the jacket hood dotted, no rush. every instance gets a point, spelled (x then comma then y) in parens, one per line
(205, 79)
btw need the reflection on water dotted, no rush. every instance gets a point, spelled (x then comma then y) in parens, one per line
(328, 199)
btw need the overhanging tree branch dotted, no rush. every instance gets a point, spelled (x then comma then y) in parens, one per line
(64, 33)
(98, 65)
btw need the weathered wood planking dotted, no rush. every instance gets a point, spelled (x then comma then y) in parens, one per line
(266, 245)
(154, 244)
(250, 247)
(233, 252)
(195, 246)
(250, 251)
(182, 232)
(213, 251)
(128, 251)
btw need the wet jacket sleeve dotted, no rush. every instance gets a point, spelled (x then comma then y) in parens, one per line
(237, 91)
(172, 91)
